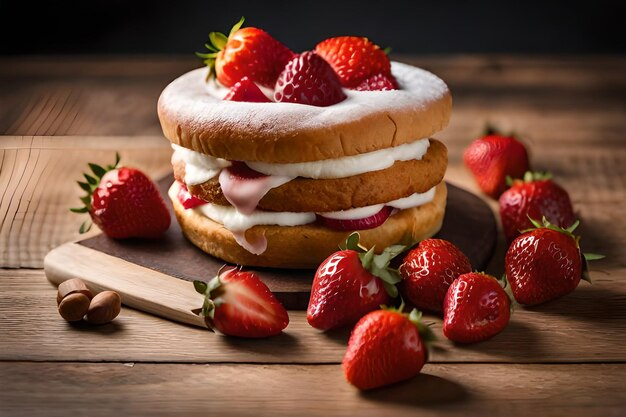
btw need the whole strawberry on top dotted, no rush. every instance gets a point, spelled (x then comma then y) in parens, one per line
(494, 157)
(123, 203)
(535, 196)
(238, 303)
(428, 270)
(249, 51)
(355, 59)
(545, 263)
(350, 283)
(308, 79)
(386, 346)
(476, 308)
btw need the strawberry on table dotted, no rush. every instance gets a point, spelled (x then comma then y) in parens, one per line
(354, 59)
(123, 203)
(246, 90)
(545, 263)
(245, 52)
(494, 157)
(350, 283)
(238, 303)
(308, 79)
(386, 346)
(534, 197)
(428, 270)
(476, 308)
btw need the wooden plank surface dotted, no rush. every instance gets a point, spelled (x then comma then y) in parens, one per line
(587, 326)
(566, 357)
(61, 389)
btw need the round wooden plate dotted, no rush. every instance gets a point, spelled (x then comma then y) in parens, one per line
(468, 223)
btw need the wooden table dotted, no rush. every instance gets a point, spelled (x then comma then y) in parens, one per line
(566, 357)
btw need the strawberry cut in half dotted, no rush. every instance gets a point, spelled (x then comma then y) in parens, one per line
(238, 303)
(245, 52)
(370, 222)
(246, 90)
(185, 198)
(354, 59)
(308, 79)
(123, 203)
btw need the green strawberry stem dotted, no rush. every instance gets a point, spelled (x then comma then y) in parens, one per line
(217, 42)
(530, 176)
(89, 185)
(415, 317)
(211, 290)
(377, 265)
(569, 231)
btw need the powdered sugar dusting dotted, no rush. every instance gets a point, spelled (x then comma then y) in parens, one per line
(193, 102)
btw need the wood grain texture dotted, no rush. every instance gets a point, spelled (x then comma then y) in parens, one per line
(61, 389)
(568, 110)
(549, 333)
(38, 186)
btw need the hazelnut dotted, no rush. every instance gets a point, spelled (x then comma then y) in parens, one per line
(74, 306)
(104, 307)
(72, 286)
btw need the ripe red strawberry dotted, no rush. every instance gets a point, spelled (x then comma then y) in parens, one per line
(545, 263)
(378, 82)
(386, 346)
(350, 283)
(308, 79)
(492, 158)
(245, 52)
(476, 308)
(246, 90)
(123, 203)
(536, 196)
(188, 200)
(238, 303)
(428, 270)
(354, 59)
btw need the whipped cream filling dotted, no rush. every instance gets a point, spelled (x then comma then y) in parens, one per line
(238, 222)
(199, 167)
(204, 167)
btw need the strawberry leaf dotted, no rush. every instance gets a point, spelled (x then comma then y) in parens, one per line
(218, 40)
(79, 210)
(84, 186)
(593, 256)
(97, 170)
(86, 200)
(236, 26)
(91, 180)
(200, 286)
(85, 227)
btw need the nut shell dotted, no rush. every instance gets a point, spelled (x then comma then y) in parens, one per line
(72, 286)
(104, 307)
(74, 306)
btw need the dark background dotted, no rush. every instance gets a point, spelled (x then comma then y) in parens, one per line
(148, 27)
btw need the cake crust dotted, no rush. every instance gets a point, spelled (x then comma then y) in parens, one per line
(366, 121)
(323, 195)
(307, 246)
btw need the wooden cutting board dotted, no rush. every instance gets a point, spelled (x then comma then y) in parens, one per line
(154, 275)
